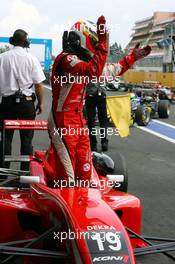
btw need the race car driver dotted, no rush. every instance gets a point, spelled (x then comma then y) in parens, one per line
(84, 54)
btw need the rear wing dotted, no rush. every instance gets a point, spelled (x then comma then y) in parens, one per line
(19, 125)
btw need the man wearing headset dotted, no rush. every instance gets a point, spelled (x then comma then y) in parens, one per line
(21, 78)
(85, 49)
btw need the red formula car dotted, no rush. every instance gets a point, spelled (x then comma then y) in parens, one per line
(54, 222)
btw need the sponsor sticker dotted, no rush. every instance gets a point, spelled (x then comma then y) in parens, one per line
(86, 167)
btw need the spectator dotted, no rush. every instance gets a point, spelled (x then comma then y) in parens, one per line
(21, 78)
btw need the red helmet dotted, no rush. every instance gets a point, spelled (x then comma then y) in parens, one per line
(86, 34)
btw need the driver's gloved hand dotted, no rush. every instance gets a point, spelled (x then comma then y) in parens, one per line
(140, 53)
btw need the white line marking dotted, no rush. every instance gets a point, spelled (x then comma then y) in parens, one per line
(156, 134)
(47, 87)
(163, 123)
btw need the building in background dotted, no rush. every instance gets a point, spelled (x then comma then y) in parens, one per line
(152, 30)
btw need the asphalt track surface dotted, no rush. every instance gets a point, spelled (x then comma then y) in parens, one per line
(151, 166)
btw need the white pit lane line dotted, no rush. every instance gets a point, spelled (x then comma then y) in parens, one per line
(149, 130)
(47, 86)
(163, 123)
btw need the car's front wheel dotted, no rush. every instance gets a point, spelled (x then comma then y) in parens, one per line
(142, 115)
(163, 109)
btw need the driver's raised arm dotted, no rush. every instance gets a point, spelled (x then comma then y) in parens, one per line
(118, 68)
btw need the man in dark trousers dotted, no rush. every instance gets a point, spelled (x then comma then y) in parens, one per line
(21, 78)
(96, 103)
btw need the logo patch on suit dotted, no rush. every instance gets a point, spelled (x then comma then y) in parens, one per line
(86, 167)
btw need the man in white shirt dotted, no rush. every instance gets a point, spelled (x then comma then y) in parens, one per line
(21, 78)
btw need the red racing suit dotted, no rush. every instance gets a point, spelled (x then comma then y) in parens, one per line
(69, 153)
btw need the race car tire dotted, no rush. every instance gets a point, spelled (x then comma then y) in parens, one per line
(142, 116)
(121, 169)
(163, 109)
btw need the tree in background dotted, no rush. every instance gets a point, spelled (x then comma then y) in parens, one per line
(4, 48)
(115, 53)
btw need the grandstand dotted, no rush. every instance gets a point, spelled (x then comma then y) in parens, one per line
(152, 30)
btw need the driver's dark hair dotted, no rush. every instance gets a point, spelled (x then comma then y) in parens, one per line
(19, 38)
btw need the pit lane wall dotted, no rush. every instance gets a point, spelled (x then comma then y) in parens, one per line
(137, 77)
